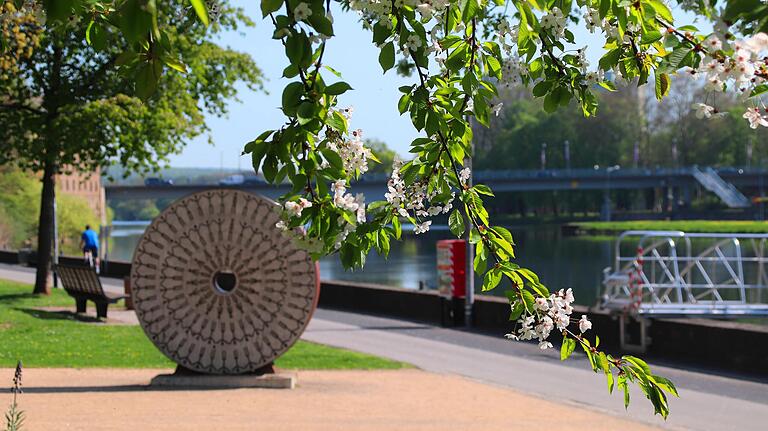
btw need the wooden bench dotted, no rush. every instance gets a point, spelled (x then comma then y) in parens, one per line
(83, 284)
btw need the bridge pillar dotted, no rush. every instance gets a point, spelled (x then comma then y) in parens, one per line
(605, 210)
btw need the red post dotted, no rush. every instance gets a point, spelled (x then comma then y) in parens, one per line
(451, 268)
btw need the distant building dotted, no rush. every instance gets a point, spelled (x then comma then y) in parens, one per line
(87, 186)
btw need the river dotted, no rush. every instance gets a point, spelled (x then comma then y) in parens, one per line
(561, 261)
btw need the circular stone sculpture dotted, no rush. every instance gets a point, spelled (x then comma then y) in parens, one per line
(217, 287)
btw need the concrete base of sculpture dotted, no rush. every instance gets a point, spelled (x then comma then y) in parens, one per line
(223, 381)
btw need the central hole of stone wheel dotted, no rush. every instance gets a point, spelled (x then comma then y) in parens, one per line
(224, 281)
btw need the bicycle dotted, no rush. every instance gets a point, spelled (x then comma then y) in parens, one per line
(93, 262)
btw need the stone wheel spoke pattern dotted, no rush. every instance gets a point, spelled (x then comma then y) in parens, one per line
(217, 288)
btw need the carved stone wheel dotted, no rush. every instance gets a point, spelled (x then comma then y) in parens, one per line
(217, 288)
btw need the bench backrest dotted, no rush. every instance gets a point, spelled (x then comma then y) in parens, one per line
(80, 279)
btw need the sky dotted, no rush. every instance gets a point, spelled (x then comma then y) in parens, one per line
(352, 53)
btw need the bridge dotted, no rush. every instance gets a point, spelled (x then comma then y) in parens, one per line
(723, 181)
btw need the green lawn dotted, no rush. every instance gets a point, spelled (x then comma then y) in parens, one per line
(48, 339)
(704, 226)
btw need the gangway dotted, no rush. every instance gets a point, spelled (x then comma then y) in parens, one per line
(679, 274)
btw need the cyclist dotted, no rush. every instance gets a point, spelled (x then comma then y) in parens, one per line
(89, 242)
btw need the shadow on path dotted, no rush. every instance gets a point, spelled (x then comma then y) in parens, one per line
(118, 388)
(60, 315)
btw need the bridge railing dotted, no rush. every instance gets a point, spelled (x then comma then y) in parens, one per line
(674, 273)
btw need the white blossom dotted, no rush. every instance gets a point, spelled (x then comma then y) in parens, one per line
(703, 110)
(544, 345)
(755, 118)
(584, 324)
(714, 43)
(302, 12)
(293, 208)
(420, 228)
(413, 42)
(464, 175)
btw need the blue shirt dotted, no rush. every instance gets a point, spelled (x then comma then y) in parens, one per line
(90, 238)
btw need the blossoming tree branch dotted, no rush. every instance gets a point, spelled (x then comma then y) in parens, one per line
(460, 52)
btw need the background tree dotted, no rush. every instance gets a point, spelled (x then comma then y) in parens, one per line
(73, 102)
(382, 152)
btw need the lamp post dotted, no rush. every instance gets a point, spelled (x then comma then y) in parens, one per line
(636, 154)
(607, 194)
(674, 152)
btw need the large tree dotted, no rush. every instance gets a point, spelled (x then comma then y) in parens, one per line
(69, 99)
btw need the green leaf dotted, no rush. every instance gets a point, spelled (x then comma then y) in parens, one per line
(491, 279)
(269, 6)
(292, 97)
(481, 258)
(306, 112)
(665, 384)
(542, 88)
(678, 56)
(483, 189)
(147, 76)
(608, 85)
(760, 89)
(639, 363)
(296, 48)
(622, 385)
(337, 88)
(387, 57)
(606, 367)
(504, 233)
(551, 100)
(333, 159)
(202, 12)
(134, 20)
(529, 300)
(567, 348)
(337, 121)
(610, 59)
(269, 168)
(605, 6)
(404, 103)
(517, 309)
(662, 85)
(662, 10)
(321, 23)
(470, 10)
(650, 37)
(457, 58)
(504, 245)
(474, 236)
(58, 10)
(398, 228)
(456, 223)
(175, 64)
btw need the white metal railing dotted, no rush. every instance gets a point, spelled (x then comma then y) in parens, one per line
(673, 273)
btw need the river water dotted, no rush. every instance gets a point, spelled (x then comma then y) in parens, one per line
(560, 261)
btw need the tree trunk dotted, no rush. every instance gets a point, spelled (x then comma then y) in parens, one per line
(45, 231)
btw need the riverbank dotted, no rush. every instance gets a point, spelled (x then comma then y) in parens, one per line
(690, 226)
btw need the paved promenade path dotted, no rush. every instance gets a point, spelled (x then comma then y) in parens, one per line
(708, 401)
(112, 400)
